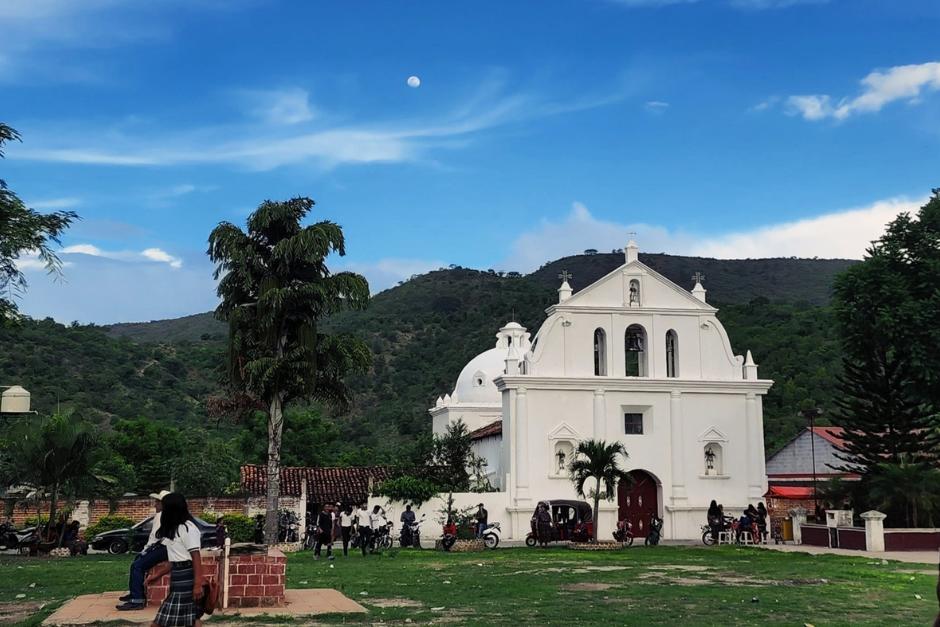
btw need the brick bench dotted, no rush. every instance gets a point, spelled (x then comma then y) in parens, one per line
(255, 579)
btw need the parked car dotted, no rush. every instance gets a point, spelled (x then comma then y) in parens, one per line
(133, 539)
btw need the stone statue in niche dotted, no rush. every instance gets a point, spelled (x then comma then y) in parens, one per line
(709, 461)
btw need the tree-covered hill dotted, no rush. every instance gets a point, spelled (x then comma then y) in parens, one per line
(422, 332)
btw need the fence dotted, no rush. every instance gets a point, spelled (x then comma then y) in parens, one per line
(873, 537)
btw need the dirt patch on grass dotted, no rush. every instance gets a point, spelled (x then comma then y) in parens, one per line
(396, 602)
(681, 567)
(15, 613)
(723, 579)
(586, 586)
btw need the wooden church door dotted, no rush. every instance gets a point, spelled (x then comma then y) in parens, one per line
(638, 502)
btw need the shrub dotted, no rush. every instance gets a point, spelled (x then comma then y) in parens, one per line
(107, 523)
(33, 521)
(408, 489)
(210, 517)
(241, 528)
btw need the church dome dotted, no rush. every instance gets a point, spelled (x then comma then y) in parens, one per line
(475, 383)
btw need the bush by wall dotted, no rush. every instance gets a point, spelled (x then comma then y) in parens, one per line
(107, 523)
(241, 528)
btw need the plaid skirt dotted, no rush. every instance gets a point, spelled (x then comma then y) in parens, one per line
(179, 609)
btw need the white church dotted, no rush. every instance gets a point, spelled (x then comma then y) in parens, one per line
(632, 357)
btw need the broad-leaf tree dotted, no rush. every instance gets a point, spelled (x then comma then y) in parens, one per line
(276, 289)
(24, 231)
(600, 461)
(908, 487)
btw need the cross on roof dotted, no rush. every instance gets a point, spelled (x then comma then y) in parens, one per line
(698, 277)
(632, 234)
(565, 275)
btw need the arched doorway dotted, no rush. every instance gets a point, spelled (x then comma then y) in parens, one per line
(638, 501)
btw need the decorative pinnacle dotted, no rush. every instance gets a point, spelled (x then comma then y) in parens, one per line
(565, 275)
(698, 277)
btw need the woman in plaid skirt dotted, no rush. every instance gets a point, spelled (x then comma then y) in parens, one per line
(182, 539)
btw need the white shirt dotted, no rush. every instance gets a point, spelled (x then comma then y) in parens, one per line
(345, 520)
(187, 539)
(153, 530)
(377, 521)
(362, 518)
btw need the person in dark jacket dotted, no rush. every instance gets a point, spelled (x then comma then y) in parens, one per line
(482, 519)
(762, 522)
(324, 533)
(715, 522)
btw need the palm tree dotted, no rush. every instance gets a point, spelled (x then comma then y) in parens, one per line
(911, 486)
(597, 459)
(275, 288)
(54, 455)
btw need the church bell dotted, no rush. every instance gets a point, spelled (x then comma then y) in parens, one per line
(634, 343)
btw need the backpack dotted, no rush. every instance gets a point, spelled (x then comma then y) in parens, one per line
(210, 596)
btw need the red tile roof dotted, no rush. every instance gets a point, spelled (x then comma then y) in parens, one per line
(833, 435)
(324, 485)
(488, 431)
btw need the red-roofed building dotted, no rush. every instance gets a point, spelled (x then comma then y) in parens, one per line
(324, 485)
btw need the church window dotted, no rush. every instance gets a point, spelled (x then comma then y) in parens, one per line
(713, 459)
(634, 293)
(635, 351)
(600, 353)
(633, 424)
(672, 354)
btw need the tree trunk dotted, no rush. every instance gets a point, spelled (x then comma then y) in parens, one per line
(275, 431)
(914, 509)
(597, 500)
(52, 507)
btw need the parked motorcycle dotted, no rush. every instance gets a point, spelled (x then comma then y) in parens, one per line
(382, 538)
(492, 535)
(11, 539)
(655, 531)
(624, 532)
(411, 534)
(288, 527)
(310, 536)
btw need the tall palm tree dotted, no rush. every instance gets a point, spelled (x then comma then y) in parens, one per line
(597, 459)
(275, 289)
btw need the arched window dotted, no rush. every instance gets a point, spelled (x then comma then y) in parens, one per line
(672, 354)
(635, 351)
(634, 293)
(600, 353)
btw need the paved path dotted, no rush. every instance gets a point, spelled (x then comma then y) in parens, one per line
(91, 608)
(913, 557)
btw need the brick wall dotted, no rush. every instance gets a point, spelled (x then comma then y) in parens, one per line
(138, 508)
(254, 579)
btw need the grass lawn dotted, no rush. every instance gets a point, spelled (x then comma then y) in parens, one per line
(662, 585)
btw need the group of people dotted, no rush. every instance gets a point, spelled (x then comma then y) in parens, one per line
(342, 522)
(173, 547)
(753, 520)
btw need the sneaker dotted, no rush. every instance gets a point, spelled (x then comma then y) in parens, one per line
(130, 607)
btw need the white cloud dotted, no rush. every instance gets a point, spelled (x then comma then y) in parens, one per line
(656, 106)
(157, 255)
(880, 88)
(274, 146)
(55, 203)
(840, 234)
(280, 106)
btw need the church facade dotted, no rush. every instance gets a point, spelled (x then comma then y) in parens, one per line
(632, 358)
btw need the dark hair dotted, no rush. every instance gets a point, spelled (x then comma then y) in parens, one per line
(375, 510)
(175, 513)
(408, 507)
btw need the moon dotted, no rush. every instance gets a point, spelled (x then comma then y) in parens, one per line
(414, 81)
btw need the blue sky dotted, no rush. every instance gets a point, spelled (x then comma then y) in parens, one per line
(728, 128)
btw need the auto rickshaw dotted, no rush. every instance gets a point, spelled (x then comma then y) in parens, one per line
(572, 521)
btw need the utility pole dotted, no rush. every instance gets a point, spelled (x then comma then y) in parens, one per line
(812, 414)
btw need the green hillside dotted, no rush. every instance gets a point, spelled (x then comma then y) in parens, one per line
(422, 332)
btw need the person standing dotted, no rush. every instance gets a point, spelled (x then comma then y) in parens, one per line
(345, 528)
(152, 554)
(324, 532)
(407, 519)
(544, 521)
(182, 539)
(762, 522)
(364, 528)
(378, 523)
(715, 522)
(482, 518)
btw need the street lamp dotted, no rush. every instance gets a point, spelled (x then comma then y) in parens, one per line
(812, 414)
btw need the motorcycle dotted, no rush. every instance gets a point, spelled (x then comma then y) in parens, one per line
(624, 532)
(492, 535)
(288, 527)
(310, 536)
(411, 534)
(655, 531)
(11, 539)
(382, 538)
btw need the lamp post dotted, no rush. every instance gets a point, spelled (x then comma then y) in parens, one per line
(812, 414)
